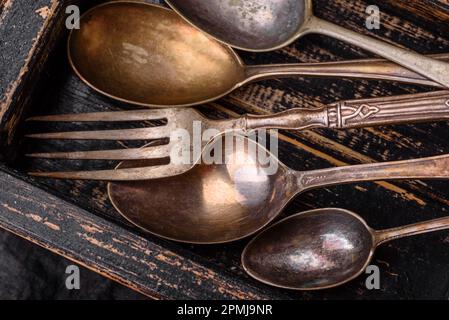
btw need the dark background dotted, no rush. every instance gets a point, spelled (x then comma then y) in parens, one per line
(30, 272)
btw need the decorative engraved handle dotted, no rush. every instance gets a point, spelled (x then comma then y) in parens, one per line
(372, 69)
(411, 108)
(426, 168)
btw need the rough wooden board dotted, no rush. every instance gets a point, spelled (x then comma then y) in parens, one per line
(28, 31)
(411, 268)
(109, 249)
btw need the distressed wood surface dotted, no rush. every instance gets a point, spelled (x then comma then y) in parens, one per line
(105, 247)
(28, 31)
(411, 268)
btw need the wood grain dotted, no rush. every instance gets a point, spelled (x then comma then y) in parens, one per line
(411, 268)
(108, 249)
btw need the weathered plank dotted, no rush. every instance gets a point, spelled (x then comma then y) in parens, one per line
(109, 249)
(28, 32)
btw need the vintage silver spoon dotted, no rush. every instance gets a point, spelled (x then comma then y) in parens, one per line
(265, 25)
(237, 189)
(148, 55)
(321, 249)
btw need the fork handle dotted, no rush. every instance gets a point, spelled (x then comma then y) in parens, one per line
(412, 108)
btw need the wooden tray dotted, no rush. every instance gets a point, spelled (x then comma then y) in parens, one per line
(75, 219)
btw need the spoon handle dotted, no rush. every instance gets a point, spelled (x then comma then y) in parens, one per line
(411, 230)
(410, 108)
(372, 69)
(425, 168)
(433, 69)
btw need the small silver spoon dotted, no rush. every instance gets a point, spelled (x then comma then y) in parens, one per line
(320, 249)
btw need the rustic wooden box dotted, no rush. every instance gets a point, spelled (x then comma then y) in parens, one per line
(75, 219)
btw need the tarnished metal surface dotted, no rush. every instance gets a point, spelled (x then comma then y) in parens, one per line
(310, 250)
(147, 55)
(255, 24)
(320, 249)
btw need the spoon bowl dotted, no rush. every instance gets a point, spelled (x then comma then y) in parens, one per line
(249, 25)
(147, 55)
(320, 249)
(313, 250)
(266, 25)
(211, 203)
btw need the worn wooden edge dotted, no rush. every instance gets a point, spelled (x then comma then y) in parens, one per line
(111, 250)
(28, 47)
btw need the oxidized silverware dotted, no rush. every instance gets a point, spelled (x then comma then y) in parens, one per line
(241, 194)
(346, 114)
(147, 55)
(264, 25)
(320, 249)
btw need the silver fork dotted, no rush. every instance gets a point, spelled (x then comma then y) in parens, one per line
(432, 106)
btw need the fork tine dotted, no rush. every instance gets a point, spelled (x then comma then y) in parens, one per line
(117, 116)
(157, 152)
(125, 134)
(133, 174)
